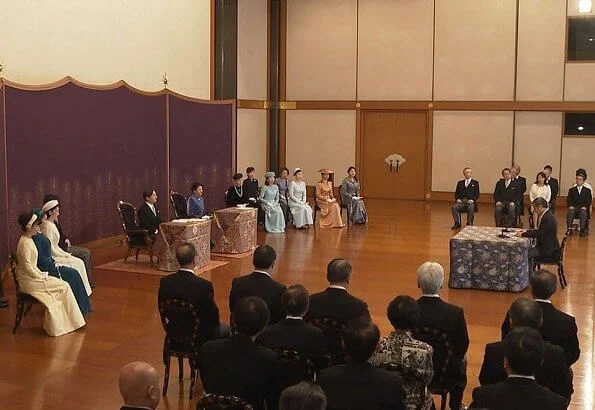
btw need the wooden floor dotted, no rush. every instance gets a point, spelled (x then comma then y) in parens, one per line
(80, 370)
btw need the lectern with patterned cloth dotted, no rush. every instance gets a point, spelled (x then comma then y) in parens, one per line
(173, 234)
(480, 259)
(234, 230)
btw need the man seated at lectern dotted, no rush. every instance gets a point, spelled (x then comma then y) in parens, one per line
(505, 196)
(547, 247)
(235, 194)
(466, 196)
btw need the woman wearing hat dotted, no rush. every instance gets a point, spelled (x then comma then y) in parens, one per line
(62, 312)
(351, 197)
(63, 258)
(274, 221)
(300, 210)
(329, 208)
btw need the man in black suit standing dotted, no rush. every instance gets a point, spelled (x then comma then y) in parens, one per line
(235, 194)
(523, 353)
(579, 202)
(357, 384)
(237, 365)
(505, 198)
(521, 183)
(148, 215)
(295, 334)
(436, 313)
(250, 186)
(139, 386)
(466, 196)
(558, 328)
(260, 284)
(185, 285)
(554, 187)
(546, 234)
(553, 372)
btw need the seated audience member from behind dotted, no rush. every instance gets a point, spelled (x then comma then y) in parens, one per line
(554, 187)
(293, 333)
(466, 196)
(558, 328)
(260, 283)
(303, 396)
(357, 384)
(235, 194)
(185, 285)
(579, 202)
(553, 372)
(250, 186)
(238, 366)
(505, 197)
(547, 247)
(523, 353)
(139, 386)
(437, 314)
(148, 215)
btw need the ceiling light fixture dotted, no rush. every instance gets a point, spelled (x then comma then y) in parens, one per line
(585, 6)
(580, 128)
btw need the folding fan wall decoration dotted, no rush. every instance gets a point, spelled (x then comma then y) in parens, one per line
(394, 161)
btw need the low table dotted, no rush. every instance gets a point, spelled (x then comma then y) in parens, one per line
(480, 259)
(173, 234)
(234, 230)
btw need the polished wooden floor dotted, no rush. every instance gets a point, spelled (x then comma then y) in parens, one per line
(80, 370)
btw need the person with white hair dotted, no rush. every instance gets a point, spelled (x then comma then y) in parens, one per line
(436, 313)
(139, 386)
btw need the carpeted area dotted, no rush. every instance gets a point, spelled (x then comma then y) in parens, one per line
(143, 266)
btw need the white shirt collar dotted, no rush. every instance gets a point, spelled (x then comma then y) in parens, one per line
(293, 317)
(261, 271)
(543, 301)
(520, 376)
(337, 287)
(151, 206)
(430, 295)
(187, 270)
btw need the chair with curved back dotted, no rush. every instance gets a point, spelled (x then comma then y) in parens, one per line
(344, 206)
(179, 319)
(24, 300)
(413, 380)
(222, 402)
(441, 360)
(179, 203)
(136, 238)
(315, 207)
(558, 261)
(294, 368)
(333, 334)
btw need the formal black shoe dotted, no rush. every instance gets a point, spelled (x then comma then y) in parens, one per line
(456, 226)
(3, 303)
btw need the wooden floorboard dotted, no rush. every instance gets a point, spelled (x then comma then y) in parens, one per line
(80, 370)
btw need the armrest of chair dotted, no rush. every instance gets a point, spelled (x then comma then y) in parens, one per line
(137, 233)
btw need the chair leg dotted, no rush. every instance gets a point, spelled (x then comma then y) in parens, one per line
(137, 251)
(193, 375)
(561, 276)
(166, 376)
(128, 254)
(19, 315)
(180, 368)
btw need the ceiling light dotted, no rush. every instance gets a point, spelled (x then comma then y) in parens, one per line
(580, 128)
(585, 6)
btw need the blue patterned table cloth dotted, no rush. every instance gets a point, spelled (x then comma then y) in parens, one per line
(480, 259)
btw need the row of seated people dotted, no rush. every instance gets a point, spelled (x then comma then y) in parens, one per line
(509, 197)
(280, 318)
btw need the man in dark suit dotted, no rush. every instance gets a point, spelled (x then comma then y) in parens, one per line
(521, 183)
(184, 284)
(523, 353)
(358, 385)
(558, 328)
(553, 372)
(295, 334)
(579, 202)
(466, 196)
(335, 302)
(546, 234)
(148, 214)
(237, 365)
(250, 186)
(436, 313)
(505, 197)
(260, 284)
(139, 386)
(554, 187)
(235, 194)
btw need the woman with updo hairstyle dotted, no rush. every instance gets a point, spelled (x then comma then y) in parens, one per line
(195, 207)
(352, 199)
(300, 209)
(62, 313)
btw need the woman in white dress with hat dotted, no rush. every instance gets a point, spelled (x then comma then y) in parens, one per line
(300, 210)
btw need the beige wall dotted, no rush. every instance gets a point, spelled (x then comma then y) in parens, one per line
(251, 141)
(101, 42)
(317, 139)
(580, 82)
(252, 49)
(576, 153)
(481, 140)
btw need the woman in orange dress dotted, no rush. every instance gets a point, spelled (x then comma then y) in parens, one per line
(330, 212)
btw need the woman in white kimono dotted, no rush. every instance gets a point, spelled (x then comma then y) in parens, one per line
(300, 210)
(274, 220)
(49, 229)
(62, 313)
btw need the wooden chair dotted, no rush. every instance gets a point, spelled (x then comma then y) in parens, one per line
(559, 262)
(294, 368)
(179, 203)
(333, 334)
(315, 207)
(24, 300)
(411, 377)
(344, 206)
(221, 402)
(179, 319)
(136, 238)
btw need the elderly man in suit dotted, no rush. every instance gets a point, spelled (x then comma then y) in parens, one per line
(554, 187)
(546, 234)
(579, 202)
(466, 196)
(523, 353)
(521, 184)
(505, 199)
(436, 313)
(558, 328)
(260, 284)
(148, 214)
(139, 386)
(553, 372)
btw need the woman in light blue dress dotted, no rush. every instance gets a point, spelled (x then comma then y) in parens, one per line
(351, 197)
(274, 221)
(300, 210)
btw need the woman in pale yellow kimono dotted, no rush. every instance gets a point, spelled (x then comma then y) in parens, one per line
(62, 313)
(63, 258)
(330, 212)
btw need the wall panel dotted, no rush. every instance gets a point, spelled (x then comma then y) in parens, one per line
(576, 153)
(395, 49)
(252, 143)
(579, 82)
(318, 139)
(252, 49)
(474, 50)
(321, 49)
(481, 140)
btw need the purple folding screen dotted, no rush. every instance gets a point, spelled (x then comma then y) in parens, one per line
(4, 221)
